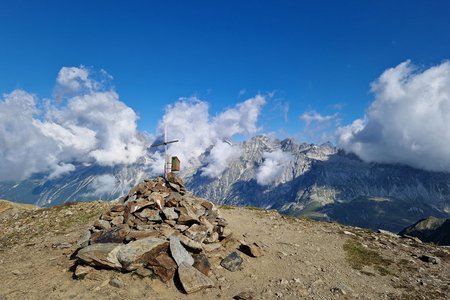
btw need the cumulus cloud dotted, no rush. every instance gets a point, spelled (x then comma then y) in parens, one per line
(273, 166)
(188, 121)
(408, 121)
(93, 126)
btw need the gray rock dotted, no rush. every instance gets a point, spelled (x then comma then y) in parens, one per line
(81, 271)
(253, 250)
(197, 233)
(386, 232)
(232, 262)
(117, 220)
(101, 255)
(143, 272)
(179, 253)
(190, 243)
(211, 247)
(62, 245)
(102, 224)
(181, 227)
(170, 214)
(174, 178)
(133, 254)
(116, 283)
(150, 214)
(116, 234)
(430, 259)
(337, 291)
(192, 279)
(201, 263)
(84, 239)
(211, 238)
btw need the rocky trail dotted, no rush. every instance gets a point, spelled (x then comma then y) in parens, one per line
(301, 259)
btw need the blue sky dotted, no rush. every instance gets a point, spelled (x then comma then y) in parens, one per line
(313, 55)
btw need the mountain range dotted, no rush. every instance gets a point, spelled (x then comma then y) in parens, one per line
(316, 181)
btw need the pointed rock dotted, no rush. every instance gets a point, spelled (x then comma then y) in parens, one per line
(179, 253)
(84, 239)
(192, 279)
(174, 178)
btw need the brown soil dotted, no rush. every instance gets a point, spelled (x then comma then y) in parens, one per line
(303, 259)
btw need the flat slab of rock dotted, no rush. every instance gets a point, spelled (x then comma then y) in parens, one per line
(133, 254)
(101, 255)
(179, 253)
(232, 262)
(192, 279)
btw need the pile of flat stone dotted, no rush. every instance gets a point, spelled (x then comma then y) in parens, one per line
(157, 227)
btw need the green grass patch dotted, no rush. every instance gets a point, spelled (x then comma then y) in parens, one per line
(358, 256)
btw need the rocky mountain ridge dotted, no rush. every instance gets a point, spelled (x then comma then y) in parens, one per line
(318, 181)
(431, 230)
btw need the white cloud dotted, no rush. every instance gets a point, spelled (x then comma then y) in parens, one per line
(240, 119)
(72, 79)
(313, 116)
(319, 128)
(188, 121)
(408, 122)
(91, 127)
(220, 156)
(274, 163)
(102, 185)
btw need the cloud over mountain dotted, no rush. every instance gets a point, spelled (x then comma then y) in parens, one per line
(188, 120)
(91, 125)
(87, 123)
(408, 121)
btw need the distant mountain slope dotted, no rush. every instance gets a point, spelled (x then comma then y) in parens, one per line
(432, 230)
(318, 181)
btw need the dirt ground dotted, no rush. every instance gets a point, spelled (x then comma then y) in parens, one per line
(302, 259)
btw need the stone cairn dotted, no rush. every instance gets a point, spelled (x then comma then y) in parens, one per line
(160, 228)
